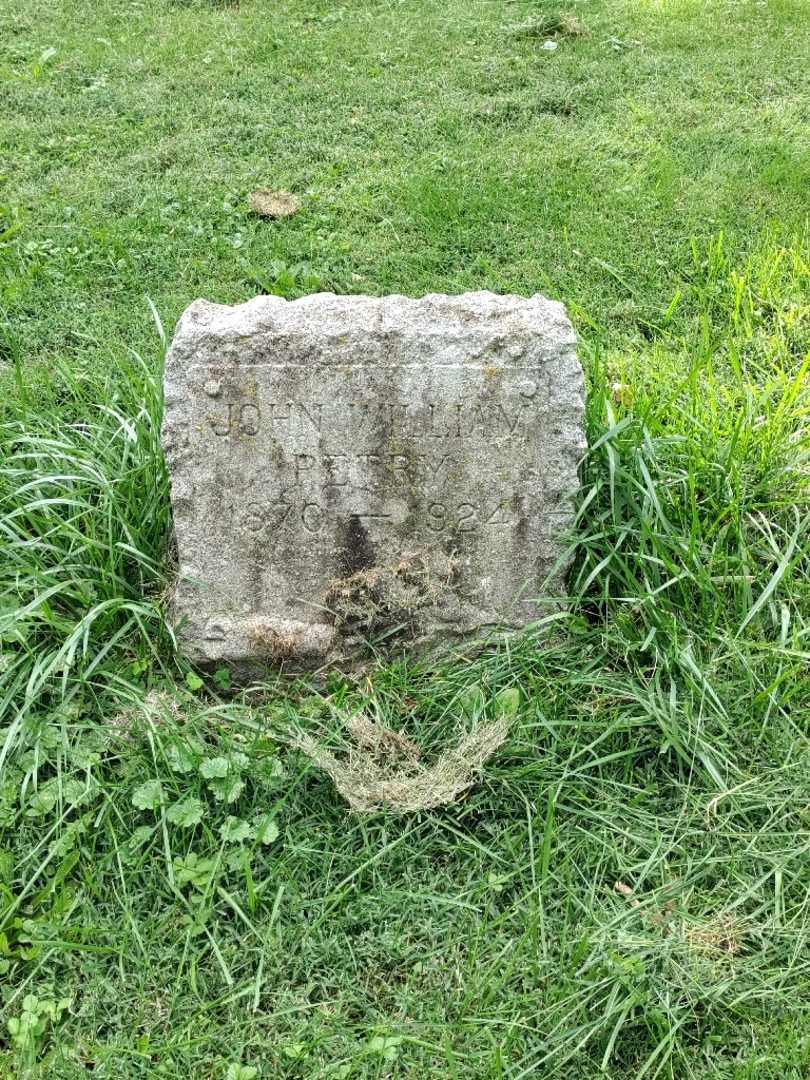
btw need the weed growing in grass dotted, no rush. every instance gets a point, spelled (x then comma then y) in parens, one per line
(28, 1030)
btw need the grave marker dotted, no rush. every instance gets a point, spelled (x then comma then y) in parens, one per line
(352, 469)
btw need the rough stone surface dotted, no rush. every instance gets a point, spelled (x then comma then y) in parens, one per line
(348, 470)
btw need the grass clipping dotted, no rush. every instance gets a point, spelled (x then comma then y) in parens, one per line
(383, 768)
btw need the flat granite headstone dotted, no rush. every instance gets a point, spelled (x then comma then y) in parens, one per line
(347, 470)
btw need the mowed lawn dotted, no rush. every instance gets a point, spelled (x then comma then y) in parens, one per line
(626, 892)
(438, 146)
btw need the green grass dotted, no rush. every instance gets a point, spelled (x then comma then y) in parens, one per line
(438, 147)
(625, 893)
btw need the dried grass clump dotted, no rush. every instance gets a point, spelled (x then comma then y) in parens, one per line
(571, 26)
(383, 743)
(274, 204)
(271, 644)
(383, 767)
(384, 598)
(721, 935)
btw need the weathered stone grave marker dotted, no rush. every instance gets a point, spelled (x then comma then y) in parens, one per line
(348, 469)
